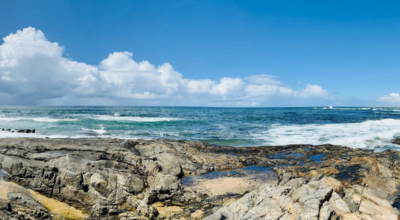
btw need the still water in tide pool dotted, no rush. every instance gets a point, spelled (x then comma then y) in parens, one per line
(360, 127)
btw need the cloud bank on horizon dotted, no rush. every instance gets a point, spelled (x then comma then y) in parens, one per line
(33, 71)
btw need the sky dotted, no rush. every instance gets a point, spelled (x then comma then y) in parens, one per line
(200, 53)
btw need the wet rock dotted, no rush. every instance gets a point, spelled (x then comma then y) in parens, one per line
(396, 140)
(26, 131)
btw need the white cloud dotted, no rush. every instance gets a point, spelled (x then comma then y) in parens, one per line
(314, 91)
(27, 43)
(266, 86)
(263, 80)
(33, 70)
(228, 87)
(392, 98)
(199, 86)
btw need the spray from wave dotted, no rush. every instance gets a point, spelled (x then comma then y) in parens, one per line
(95, 132)
(367, 134)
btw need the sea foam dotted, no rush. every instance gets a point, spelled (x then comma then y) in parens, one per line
(135, 119)
(94, 132)
(49, 120)
(371, 133)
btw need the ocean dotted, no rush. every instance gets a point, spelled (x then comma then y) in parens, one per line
(357, 127)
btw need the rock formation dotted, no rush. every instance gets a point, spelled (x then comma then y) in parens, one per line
(142, 179)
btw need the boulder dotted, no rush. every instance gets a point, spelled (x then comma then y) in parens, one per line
(396, 140)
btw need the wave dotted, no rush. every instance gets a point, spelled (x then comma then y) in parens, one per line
(50, 120)
(135, 119)
(7, 134)
(94, 132)
(367, 134)
(343, 108)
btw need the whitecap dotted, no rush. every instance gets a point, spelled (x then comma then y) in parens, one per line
(10, 119)
(348, 108)
(48, 120)
(52, 119)
(8, 134)
(94, 132)
(135, 119)
(371, 133)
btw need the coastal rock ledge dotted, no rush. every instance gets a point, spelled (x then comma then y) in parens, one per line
(93, 178)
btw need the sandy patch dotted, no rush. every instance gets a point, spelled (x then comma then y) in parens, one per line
(56, 208)
(224, 185)
(197, 215)
(236, 181)
(7, 187)
(229, 201)
(167, 211)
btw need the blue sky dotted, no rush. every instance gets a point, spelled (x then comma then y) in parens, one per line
(349, 49)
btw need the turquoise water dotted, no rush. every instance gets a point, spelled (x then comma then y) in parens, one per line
(351, 126)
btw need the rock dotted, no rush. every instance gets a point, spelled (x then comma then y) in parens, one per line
(6, 210)
(313, 200)
(99, 174)
(22, 206)
(20, 130)
(396, 140)
(22, 203)
(338, 204)
(142, 179)
(25, 131)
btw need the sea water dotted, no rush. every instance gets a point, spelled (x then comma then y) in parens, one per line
(358, 127)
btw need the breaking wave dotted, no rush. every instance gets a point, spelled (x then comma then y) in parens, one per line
(135, 119)
(367, 134)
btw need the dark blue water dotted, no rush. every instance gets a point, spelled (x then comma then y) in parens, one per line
(351, 126)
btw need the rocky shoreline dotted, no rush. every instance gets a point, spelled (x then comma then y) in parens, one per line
(94, 178)
(27, 131)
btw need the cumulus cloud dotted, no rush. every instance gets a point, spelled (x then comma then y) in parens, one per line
(314, 91)
(392, 98)
(264, 86)
(33, 70)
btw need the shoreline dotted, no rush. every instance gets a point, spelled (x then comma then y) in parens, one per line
(353, 127)
(111, 178)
